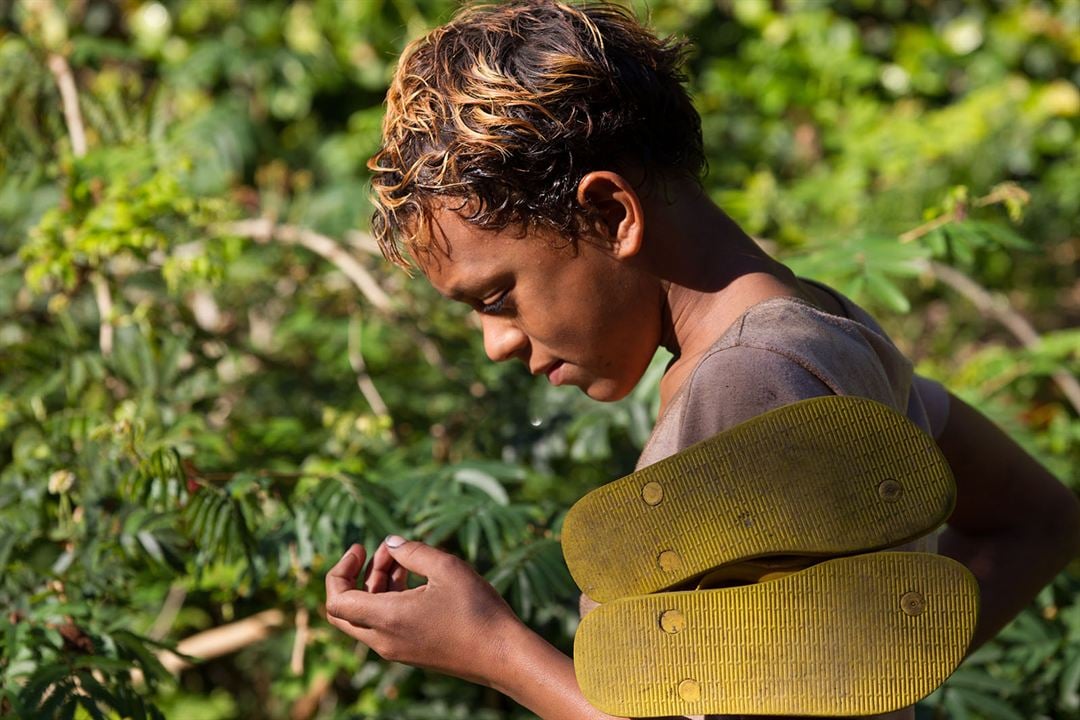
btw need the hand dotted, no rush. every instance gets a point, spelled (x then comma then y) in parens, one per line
(455, 623)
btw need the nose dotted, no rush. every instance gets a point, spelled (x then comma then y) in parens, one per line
(503, 340)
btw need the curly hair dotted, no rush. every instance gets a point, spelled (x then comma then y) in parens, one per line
(504, 109)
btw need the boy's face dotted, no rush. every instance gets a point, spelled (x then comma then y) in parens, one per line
(581, 316)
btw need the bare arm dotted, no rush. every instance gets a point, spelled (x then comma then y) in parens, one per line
(456, 624)
(1015, 526)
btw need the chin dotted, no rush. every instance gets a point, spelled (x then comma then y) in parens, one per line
(607, 390)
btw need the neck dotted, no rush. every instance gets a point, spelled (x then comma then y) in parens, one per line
(710, 272)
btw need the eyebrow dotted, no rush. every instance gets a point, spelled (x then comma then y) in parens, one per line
(457, 294)
(462, 293)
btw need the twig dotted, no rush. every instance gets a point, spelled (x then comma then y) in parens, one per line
(1002, 193)
(363, 241)
(223, 640)
(263, 229)
(308, 704)
(989, 305)
(300, 639)
(69, 97)
(430, 351)
(303, 631)
(999, 309)
(169, 610)
(103, 298)
(363, 378)
(929, 227)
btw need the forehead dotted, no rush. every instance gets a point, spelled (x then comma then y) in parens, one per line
(456, 255)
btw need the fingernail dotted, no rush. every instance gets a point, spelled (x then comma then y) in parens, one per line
(394, 541)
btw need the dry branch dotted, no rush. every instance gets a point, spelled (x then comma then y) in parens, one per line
(223, 640)
(999, 309)
(263, 229)
(308, 704)
(174, 600)
(363, 378)
(69, 97)
(103, 298)
(303, 632)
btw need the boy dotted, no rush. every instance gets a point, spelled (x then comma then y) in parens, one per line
(540, 162)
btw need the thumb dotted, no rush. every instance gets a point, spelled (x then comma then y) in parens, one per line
(419, 558)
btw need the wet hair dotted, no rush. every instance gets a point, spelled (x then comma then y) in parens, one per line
(501, 112)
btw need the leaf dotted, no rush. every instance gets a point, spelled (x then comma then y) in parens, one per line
(151, 545)
(484, 481)
(7, 544)
(991, 707)
(521, 573)
(1001, 235)
(887, 293)
(133, 647)
(1069, 684)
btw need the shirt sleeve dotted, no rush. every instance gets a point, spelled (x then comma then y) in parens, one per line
(935, 401)
(738, 383)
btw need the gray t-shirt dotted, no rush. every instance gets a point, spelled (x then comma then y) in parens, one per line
(784, 350)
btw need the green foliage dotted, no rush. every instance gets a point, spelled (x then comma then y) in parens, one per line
(180, 411)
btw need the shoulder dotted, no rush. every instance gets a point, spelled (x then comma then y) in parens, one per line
(850, 355)
(735, 383)
(785, 350)
(779, 352)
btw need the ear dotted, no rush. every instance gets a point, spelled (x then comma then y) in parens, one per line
(613, 198)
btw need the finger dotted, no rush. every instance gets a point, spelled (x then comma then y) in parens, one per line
(420, 558)
(362, 609)
(364, 635)
(378, 575)
(342, 577)
(399, 578)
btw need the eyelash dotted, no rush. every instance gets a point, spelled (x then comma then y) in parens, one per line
(494, 308)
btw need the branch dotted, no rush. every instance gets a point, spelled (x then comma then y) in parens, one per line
(303, 632)
(303, 628)
(999, 309)
(1006, 193)
(65, 82)
(169, 610)
(308, 704)
(69, 98)
(363, 241)
(263, 229)
(223, 640)
(363, 378)
(928, 227)
(103, 298)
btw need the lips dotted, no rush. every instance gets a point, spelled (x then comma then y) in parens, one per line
(554, 373)
(551, 370)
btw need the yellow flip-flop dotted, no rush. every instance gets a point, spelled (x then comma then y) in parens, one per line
(856, 635)
(822, 477)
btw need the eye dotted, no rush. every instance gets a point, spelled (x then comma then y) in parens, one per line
(496, 306)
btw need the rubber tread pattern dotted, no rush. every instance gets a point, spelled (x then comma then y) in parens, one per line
(829, 640)
(803, 479)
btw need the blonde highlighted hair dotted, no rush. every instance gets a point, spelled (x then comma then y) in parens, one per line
(504, 109)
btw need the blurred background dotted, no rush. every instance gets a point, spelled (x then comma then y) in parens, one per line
(211, 384)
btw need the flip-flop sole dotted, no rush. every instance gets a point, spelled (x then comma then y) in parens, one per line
(857, 635)
(826, 476)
